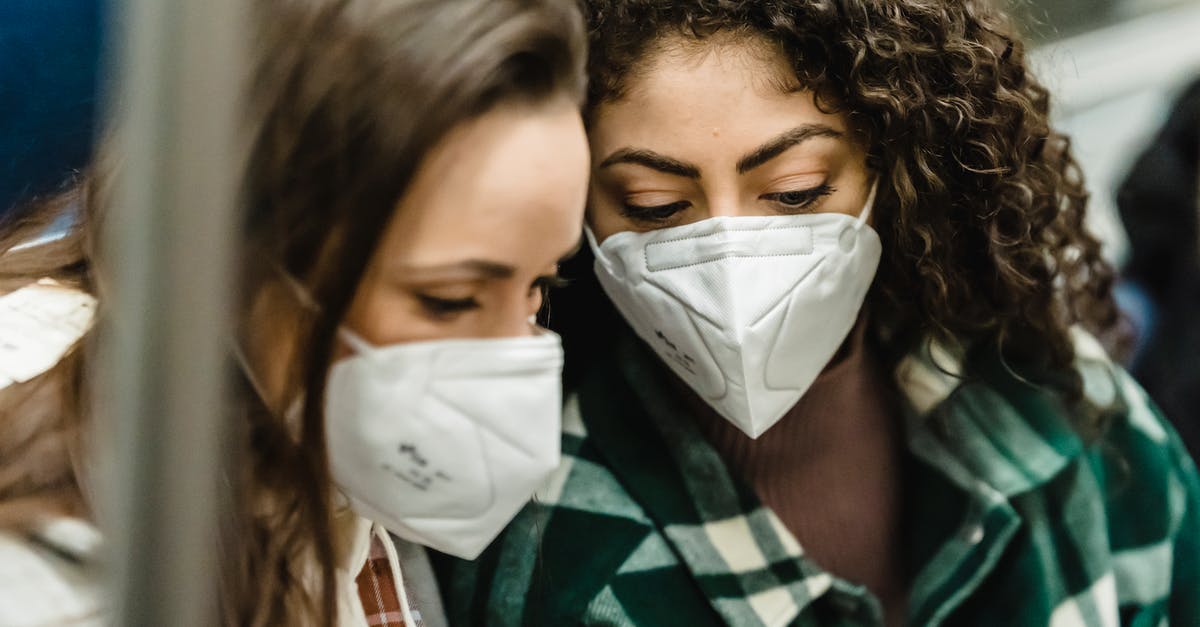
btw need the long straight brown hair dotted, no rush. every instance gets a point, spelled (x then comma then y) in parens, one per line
(347, 98)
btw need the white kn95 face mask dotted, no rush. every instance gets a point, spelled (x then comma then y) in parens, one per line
(746, 310)
(443, 441)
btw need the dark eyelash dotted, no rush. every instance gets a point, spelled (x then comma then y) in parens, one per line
(807, 196)
(657, 213)
(444, 306)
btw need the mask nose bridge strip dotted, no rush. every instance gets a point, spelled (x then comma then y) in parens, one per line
(726, 243)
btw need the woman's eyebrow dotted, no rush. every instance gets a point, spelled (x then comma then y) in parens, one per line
(782, 143)
(652, 160)
(470, 270)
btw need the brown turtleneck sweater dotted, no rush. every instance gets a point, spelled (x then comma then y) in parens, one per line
(830, 469)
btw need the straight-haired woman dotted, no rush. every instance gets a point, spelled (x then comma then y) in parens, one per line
(418, 168)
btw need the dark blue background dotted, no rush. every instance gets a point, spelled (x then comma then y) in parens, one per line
(49, 59)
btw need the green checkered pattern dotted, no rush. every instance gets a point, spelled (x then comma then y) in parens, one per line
(1012, 519)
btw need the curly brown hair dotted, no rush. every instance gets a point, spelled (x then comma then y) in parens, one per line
(981, 203)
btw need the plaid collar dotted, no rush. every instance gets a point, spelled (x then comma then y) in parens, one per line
(994, 434)
(991, 439)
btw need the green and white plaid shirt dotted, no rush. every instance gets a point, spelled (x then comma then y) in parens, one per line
(1011, 518)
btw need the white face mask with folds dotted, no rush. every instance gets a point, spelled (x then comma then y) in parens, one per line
(442, 442)
(746, 310)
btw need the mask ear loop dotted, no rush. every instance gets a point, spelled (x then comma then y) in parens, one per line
(865, 214)
(298, 289)
(356, 342)
(256, 383)
(601, 258)
(591, 240)
(302, 296)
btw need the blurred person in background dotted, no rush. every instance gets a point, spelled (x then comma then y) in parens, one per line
(834, 361)
(417, 170)
(1160, 208)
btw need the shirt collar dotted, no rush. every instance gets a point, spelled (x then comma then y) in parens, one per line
(995, 431)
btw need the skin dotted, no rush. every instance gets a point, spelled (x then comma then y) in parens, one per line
(493, 208)
(677, 108)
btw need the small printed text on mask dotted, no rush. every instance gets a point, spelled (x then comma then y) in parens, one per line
(413, 468)
(684, 360)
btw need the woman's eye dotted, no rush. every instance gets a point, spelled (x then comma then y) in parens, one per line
(446, 307)
(656, 213)
(799, 199)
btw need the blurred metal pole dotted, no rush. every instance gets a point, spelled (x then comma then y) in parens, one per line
(168, 248)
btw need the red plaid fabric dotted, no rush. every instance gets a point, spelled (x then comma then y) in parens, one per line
(377, 590)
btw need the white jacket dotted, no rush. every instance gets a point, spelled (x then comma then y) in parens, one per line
(52, 577)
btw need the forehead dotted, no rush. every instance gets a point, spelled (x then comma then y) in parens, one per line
(761, 63)
(501, 187)
(726, 84)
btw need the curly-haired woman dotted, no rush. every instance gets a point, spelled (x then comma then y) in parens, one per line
(417, 169)
(837, 361)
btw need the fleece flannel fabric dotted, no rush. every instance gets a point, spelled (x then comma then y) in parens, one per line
(1012, 519)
